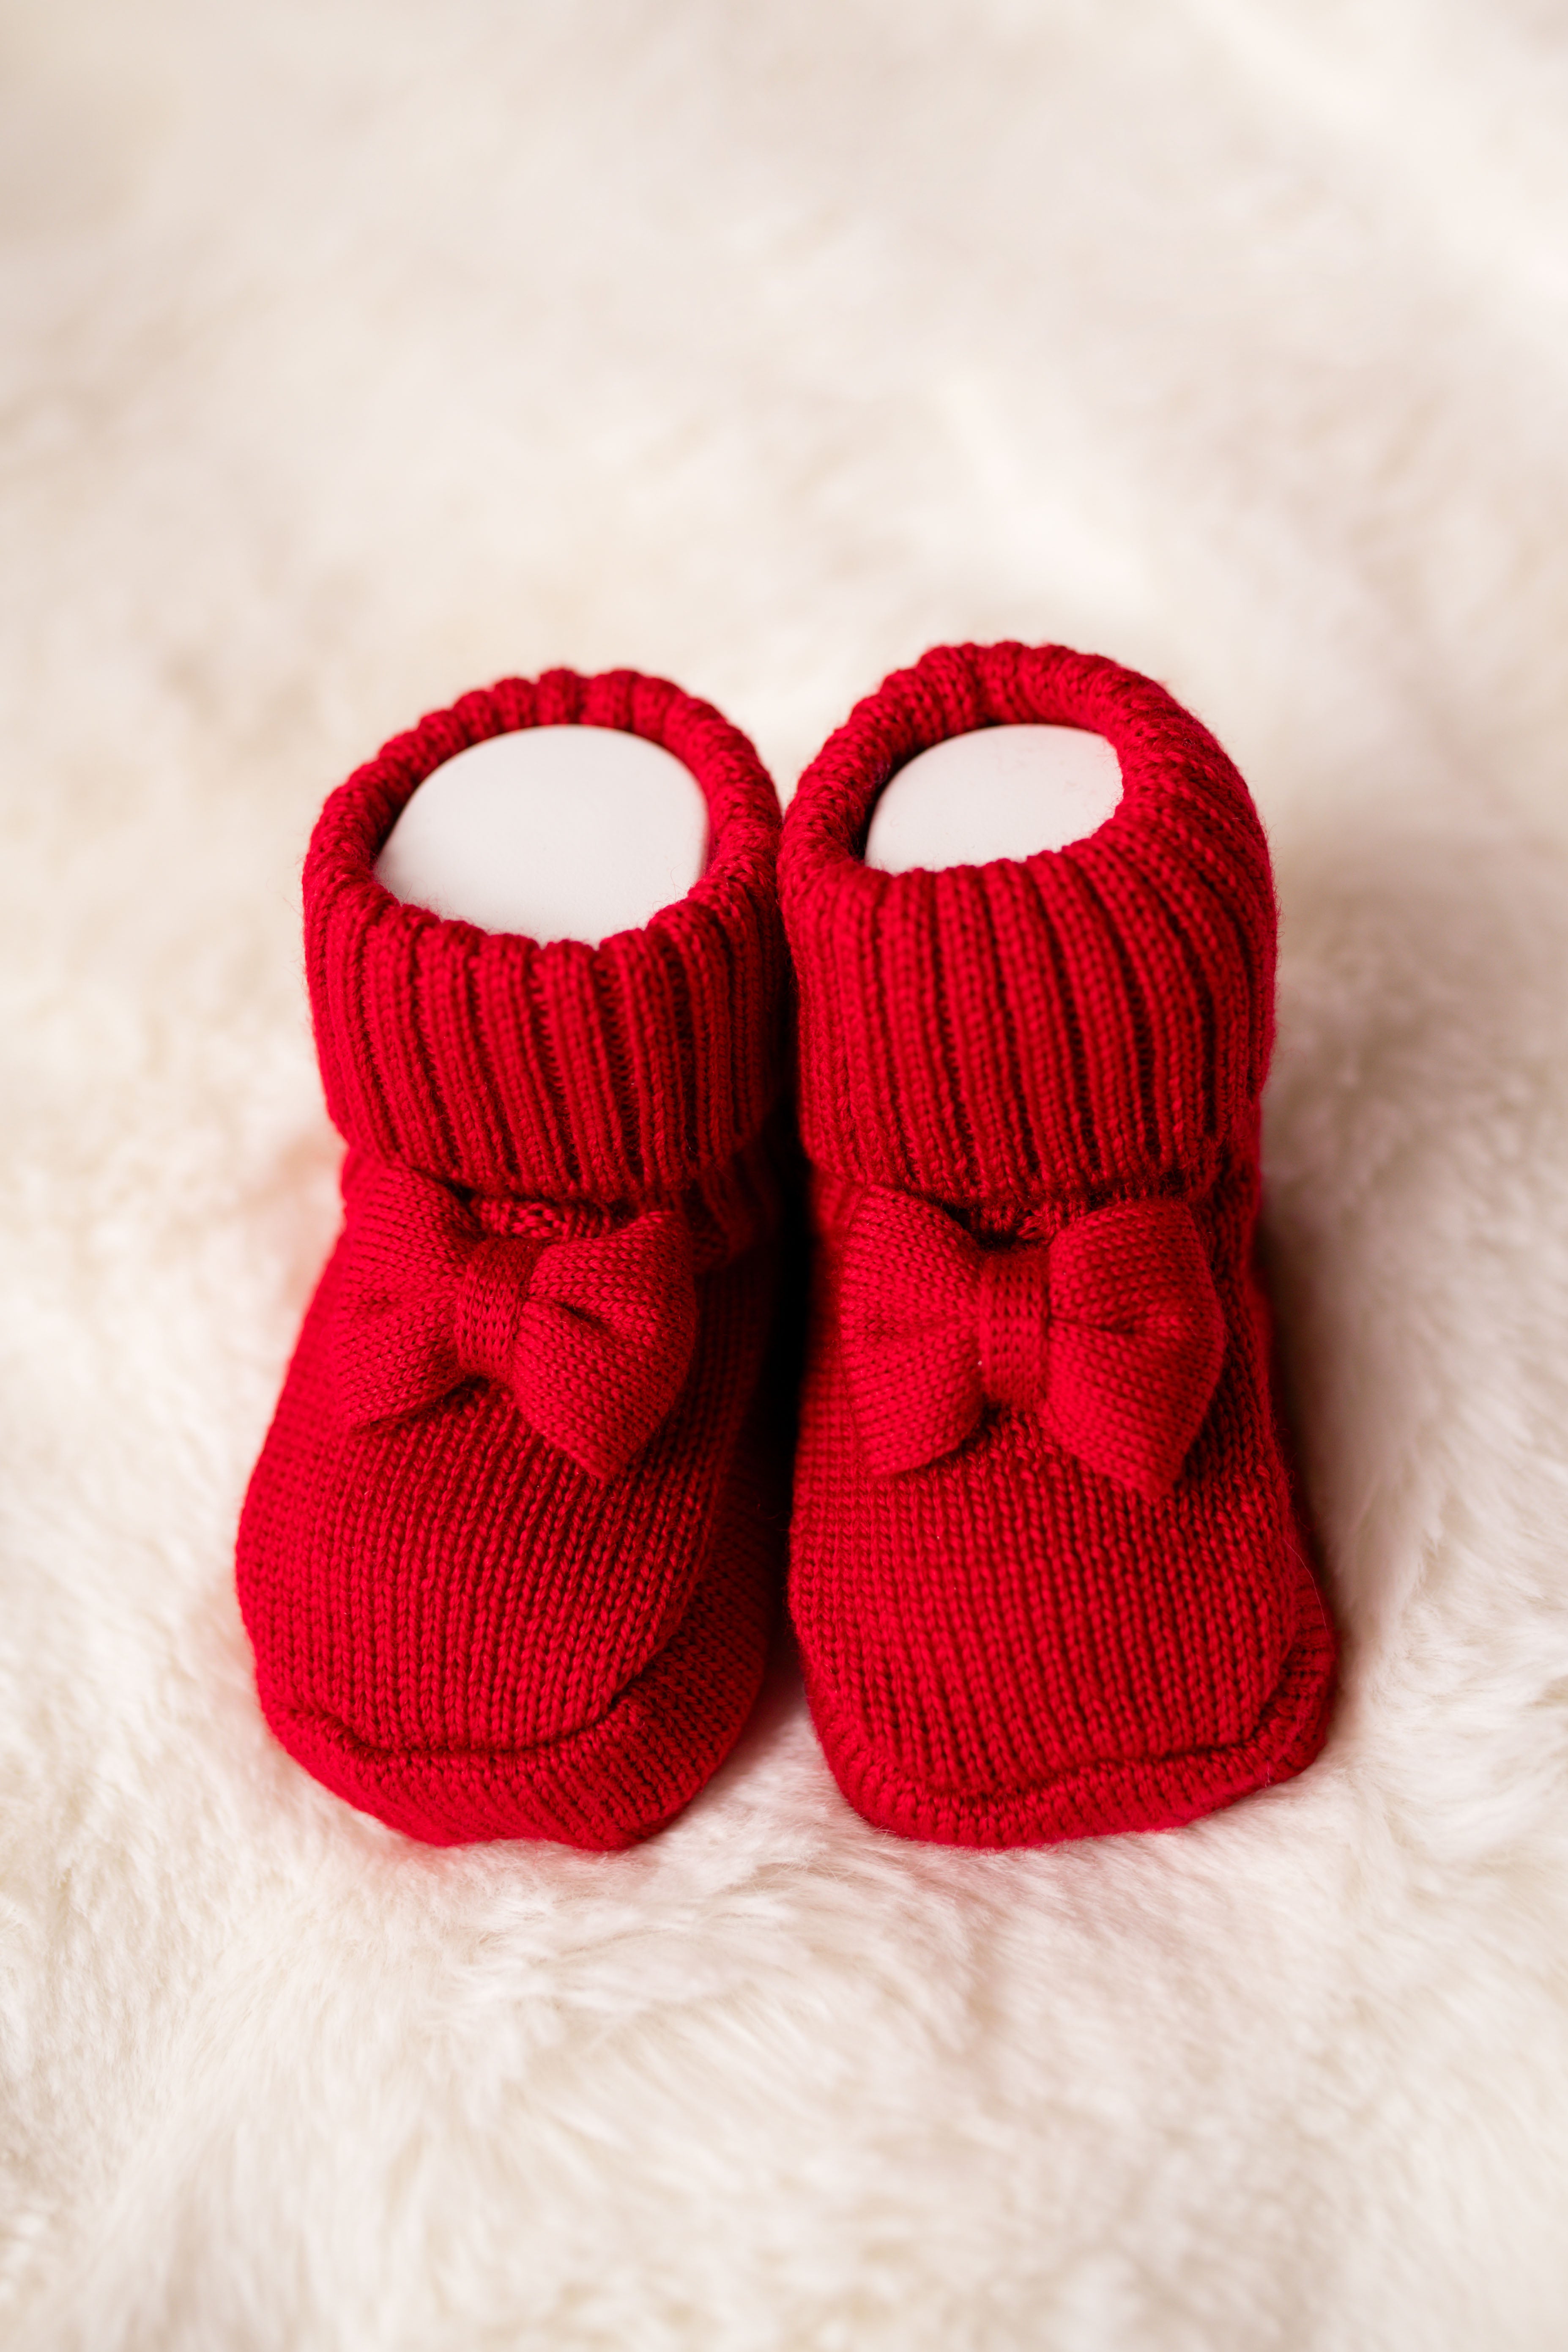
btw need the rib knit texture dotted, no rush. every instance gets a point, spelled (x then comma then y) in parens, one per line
(509, 1554)
(1048, 1568)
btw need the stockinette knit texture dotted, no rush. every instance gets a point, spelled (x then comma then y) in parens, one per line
(509, 1555)
(1049, 1572)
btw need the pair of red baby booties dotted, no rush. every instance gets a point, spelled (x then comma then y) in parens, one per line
(510, 1556)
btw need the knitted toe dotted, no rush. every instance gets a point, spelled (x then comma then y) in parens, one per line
(623, 1775)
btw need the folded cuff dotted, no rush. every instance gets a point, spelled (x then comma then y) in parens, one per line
(1057, 1027)
(617, 1074)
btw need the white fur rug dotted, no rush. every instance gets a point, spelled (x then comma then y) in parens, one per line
(355, 351)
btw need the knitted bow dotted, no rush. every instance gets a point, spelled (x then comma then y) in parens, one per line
(1112, 1332)
(592, 1336)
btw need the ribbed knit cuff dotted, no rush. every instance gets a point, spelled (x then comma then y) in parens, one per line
(616, 1073)
(1090, 1020)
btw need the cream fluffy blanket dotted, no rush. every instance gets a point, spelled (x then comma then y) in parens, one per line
(355, 351)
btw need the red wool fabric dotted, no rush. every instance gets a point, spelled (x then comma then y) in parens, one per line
(509, 1556)
(1049, 1570)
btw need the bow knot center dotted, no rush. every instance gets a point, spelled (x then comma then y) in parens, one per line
(490, 1296)
(1111, 1333)
(1013, 1317)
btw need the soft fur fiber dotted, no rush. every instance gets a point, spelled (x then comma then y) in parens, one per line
(355, 355)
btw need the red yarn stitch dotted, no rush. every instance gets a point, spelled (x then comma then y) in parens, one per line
(508, 1556)
(1040, 1599)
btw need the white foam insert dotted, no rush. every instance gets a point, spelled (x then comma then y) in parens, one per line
(1001, 791)
(560, 833)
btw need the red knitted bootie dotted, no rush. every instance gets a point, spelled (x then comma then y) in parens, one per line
(1047, 1568)
(508, 1556)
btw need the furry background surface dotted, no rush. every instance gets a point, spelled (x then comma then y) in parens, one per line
(355, 353)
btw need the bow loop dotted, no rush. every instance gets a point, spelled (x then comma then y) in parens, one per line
(592, 1336)
(908, 1285)
(1112, 1333)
